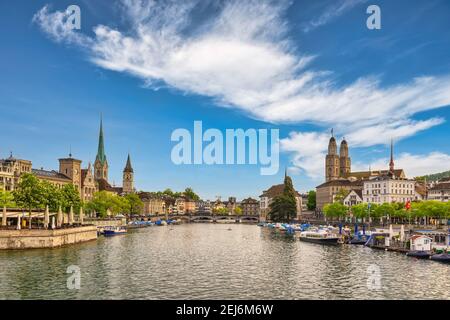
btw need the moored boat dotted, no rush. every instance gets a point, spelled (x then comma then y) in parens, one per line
(114, 231)
(319, 236)
(419, 254)
(441, 257)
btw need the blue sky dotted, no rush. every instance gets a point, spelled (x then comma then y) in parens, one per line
(302, 67)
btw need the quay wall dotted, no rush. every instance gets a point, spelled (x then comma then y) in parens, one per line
(36, 238)
(106, 222)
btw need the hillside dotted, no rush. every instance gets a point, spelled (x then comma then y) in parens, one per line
(435, 176)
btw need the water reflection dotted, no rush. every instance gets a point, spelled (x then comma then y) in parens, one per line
(205, 261)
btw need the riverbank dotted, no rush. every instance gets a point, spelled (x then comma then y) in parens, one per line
(45, 238)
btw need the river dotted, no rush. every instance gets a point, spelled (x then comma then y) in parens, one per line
(209, 261)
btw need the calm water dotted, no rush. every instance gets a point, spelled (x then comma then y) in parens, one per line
(206, 261)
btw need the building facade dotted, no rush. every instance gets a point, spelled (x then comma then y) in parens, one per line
(440, 191)
(11, 169)
(250, 207)
(153, 204)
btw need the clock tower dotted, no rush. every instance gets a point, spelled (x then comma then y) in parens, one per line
(128, 177)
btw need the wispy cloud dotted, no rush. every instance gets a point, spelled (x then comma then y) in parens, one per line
(332, 12)
(242, 58)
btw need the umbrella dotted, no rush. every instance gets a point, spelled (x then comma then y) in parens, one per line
(53, 222)
(364, 229)
(59, 220)
(71, 216)
(18, 222)
(46, 218)
(391, 231)
(81, 215)
(356, 229)
(4, 217)
(402, 233)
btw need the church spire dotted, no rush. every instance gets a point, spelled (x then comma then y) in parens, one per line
(391, 163)
(128, 167)
(101, 157)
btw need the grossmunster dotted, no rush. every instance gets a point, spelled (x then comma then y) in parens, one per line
(372, 186)
(88, 180)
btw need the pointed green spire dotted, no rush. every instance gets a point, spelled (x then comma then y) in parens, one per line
(101, 157)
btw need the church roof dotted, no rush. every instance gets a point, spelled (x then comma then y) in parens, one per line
(372, 173)
(340, 183)
(274, 191)
(41, 173)
(103, 185)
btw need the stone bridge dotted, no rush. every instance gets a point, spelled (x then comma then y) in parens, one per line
(212, 218)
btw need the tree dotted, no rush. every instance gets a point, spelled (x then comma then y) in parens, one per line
(340, 196)
(283, 207)
(6, 199)
(221, 211)
(135, 203)
(335, 210)
(52, 196)
(360, 210)
(29, 194)
(238, 211)
(311, 204)
(100, 203)
(189, 193)
(70, 197)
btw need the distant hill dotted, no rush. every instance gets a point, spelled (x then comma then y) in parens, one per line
(435, 176)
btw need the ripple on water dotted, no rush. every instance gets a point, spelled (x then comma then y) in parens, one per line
(205, 261)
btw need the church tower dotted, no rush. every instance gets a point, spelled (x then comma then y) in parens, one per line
(128, 177)
(332, 160)
(71, 168)
(101, 164)
(344, 159)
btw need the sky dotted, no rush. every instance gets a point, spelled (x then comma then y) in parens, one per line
(151, 67)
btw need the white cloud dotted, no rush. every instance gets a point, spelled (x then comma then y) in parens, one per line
(413, 164)
(242, 58)
(331, 13)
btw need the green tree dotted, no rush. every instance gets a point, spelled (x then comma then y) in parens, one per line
(29, 194)
(283, 207)
(100, 203)
(188, 192)
(335, 210)
(221, 211)
(311, 204)
(360, 210)
(70, 197)
(6, 199)
(52, 196)
(238, 211)
(135, 204)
